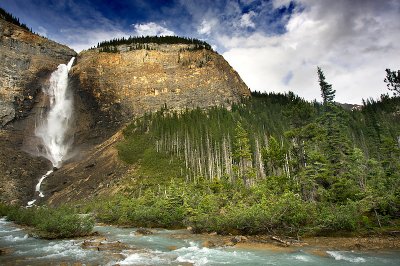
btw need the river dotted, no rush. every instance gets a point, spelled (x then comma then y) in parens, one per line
(124, 246)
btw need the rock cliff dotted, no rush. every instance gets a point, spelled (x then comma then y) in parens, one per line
(132, 82)
(109, 89)
(114, 87)
(26, 62)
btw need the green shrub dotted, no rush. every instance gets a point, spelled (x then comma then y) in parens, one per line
(4, 209)
(22, 216)
(62, 222)
(339, 217)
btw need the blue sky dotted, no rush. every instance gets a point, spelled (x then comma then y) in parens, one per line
(65, 20)
(275, 45)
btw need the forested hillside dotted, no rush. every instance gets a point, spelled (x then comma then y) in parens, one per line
(14, 20)
(274, 162)
(138, 43)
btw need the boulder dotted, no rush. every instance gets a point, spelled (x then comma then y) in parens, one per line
(208, 244)
(143, 231)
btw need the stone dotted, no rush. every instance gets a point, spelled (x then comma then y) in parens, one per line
(229, 244)
(5, 251)
(143, 231)
(358, 246)
(208, 244)
(104, 245)
(239, 239)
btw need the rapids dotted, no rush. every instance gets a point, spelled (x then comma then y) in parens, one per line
(163, 248)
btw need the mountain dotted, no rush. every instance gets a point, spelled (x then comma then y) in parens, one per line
(109, 89)
(26, 62)
(166, 134)
(133, 82)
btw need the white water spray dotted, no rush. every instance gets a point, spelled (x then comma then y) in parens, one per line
(52, 128)
(54, 124)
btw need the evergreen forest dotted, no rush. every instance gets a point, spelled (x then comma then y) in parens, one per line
(141, 42)
(14, 20)
(273, 163)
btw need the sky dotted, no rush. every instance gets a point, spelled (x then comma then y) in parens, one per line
(274, 45)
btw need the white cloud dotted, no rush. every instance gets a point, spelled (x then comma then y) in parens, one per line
(280, 3)
(246, 20)
(151, 29)
(207, 26)
(352, 41)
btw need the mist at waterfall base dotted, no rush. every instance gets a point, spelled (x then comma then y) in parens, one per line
(55, 121)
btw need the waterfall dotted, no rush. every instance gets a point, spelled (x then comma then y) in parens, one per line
(53, 126)
(54, 122)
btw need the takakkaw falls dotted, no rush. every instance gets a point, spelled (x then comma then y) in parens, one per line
(152, 150)
(53, 125)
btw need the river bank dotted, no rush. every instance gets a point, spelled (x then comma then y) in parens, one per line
(137, 246)
(279, 243)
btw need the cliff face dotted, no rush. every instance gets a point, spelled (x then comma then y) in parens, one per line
(26, 60)
(109, 89)
(133, 82)
(112, 87)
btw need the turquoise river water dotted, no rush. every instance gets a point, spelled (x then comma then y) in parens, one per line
(21, 249)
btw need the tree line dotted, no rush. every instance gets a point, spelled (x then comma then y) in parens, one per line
(142, 42)
(14, 20)
(341, 167)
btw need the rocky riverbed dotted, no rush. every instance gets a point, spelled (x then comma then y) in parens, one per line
(135, 246)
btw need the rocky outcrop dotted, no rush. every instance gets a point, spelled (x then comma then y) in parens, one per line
(132, 82)
(109, 89)
(93, 172)
(19, 172)
(26, 60)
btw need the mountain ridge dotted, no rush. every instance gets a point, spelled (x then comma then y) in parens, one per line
(109, 89)
(168, 136)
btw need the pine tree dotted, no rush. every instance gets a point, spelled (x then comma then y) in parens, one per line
(274, 157)
(328, 94)
(241, 143)
(393, 81)
(242, 152)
